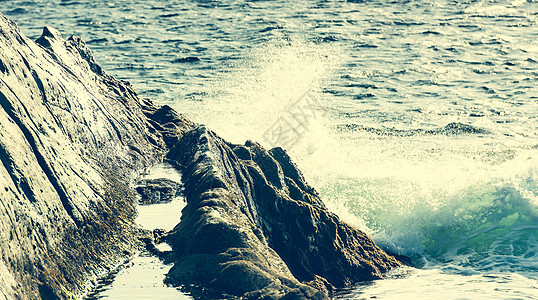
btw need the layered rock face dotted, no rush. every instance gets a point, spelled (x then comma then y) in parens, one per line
(72, 138)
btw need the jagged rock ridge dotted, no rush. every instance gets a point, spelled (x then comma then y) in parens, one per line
(254, 228)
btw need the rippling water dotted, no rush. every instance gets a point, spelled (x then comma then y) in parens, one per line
(423, 115)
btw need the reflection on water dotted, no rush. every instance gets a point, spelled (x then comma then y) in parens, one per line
(143, 277)
(163, 215)
(409, 283)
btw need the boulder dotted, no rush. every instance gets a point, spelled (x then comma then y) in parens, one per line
(254, 228)
(160, 190)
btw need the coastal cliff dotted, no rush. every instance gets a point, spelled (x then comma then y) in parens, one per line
(73, 138)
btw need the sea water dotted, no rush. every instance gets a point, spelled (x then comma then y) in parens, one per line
(142, 277)
(417, 121)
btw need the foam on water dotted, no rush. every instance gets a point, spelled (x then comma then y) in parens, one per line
(466, 204)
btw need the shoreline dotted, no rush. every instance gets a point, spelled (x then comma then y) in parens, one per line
(87, 135)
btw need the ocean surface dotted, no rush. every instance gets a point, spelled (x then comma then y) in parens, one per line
(417, 121)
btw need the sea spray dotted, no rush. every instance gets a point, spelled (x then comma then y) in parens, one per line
(247, 102)
(420, 190)
(466, 217)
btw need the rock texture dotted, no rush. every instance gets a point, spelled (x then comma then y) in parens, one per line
(72, 138)
(160, 190)
(254, 228)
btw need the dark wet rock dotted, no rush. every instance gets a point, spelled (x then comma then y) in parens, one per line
(158, 235)
(71, 137)
(406, 260)
(321, 284)
(160, 190)
(458, 128)
(190, 59)
(254, 228)
(152, 240)
(169, 123)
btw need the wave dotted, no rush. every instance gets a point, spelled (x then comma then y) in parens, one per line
(450, 129)
(488, 228)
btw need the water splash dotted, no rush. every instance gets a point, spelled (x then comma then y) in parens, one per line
(433, 188)
(247, 101)
(479, 216)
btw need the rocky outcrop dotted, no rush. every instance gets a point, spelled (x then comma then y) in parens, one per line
(72, 139)
(254, 228)
(160, 190)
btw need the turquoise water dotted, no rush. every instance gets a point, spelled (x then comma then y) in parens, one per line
(421, 124)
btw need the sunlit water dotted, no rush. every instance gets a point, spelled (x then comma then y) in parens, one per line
(162, 215)
(143, 276)
(423, 115)
(433, 284)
